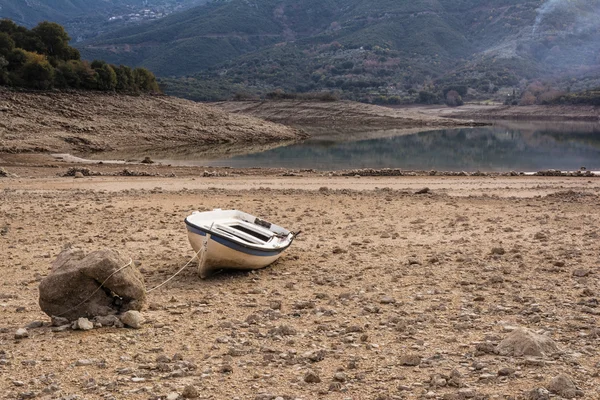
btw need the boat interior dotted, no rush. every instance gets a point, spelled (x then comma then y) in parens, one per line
(244, 231)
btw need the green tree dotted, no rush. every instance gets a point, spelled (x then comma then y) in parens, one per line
(125, 80)
(4, 80)
(55, 40)
(66, 75)
(145, 80)
(107, 78)
(7, 44)
(87, 75)
(16, 59)
(37, 73)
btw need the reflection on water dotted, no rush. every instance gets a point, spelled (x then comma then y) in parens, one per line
(519, 146)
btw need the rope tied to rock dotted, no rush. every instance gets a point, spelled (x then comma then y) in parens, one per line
(121, 269)
(97, 289)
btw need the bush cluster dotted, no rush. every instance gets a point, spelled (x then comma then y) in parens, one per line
(41, 58)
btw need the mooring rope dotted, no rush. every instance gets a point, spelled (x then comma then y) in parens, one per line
(177, 273)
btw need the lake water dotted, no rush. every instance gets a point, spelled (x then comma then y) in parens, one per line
(505, 146)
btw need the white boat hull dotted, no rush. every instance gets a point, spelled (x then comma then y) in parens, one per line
(218, 249)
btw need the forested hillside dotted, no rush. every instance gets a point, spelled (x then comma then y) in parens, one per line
(387, 51)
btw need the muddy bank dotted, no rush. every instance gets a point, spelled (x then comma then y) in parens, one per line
(88, 122)
(532, 113)
(346, 115)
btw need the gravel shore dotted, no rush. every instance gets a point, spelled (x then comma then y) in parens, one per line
(387, 294)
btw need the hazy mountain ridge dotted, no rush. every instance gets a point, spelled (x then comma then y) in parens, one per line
(85, 19)
(383, 50)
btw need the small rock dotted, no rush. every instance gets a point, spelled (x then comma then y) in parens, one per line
(21, 333)
(498, 251)
(581, 272)
(190, 392)
(538, 394)
(83, 324)
(563, 386)
(109, 320)
(59, 321)
(410, 360)
(34, 324)
(133, 319)
(524, 342)
(506, 371)
(387, 300)
(78, 175)
(311, 377)
(422, 191)
(173, 396)
(340, 377)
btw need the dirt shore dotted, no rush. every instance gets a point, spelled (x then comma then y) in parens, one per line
(387, 294)
(347, 115)
(92, 122)
(530, 113)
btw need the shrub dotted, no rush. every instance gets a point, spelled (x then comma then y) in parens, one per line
(453, 99)
(37, 73)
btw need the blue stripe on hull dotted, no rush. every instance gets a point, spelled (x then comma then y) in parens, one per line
(235, 246)
(196, 230)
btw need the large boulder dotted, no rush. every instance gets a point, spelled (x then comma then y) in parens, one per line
(524, 342)
(71, 290)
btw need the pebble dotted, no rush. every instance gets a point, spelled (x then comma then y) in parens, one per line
(190, 392)
(34, 324)
(21, 333)
(581, 272)
(387, 300)
(132, 319)
(83, 324)
(563, 386)
(410, 360)
(340, 377)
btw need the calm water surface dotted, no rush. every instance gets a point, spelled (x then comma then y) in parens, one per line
(519, 146)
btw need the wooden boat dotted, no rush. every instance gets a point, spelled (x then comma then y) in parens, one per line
(232, 239)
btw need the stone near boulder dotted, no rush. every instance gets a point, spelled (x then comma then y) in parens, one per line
(83, 324)
(524, 342)
(133, 319)
(563, 386)
(73, 288)
(108, 320)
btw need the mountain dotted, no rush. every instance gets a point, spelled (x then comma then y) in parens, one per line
(85, 19)
(372, 50)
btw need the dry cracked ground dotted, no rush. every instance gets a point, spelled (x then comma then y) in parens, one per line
(385, 295)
